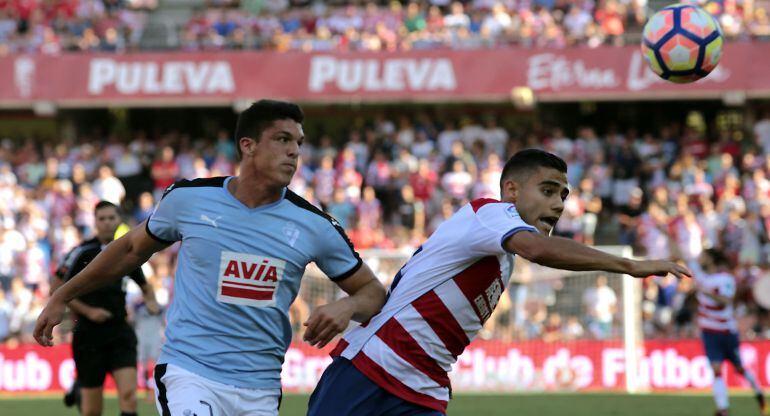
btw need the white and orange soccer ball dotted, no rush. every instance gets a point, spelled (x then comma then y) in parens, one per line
(682, 43)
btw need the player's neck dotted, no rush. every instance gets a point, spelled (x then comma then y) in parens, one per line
(253, 192)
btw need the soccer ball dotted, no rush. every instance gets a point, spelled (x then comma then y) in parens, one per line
(682, 43)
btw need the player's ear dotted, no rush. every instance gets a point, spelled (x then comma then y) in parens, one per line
(247, 145)
(510, 190)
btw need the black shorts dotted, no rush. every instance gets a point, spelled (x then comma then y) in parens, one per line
(100, 351)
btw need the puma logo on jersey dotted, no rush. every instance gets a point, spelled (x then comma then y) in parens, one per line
(213, 222)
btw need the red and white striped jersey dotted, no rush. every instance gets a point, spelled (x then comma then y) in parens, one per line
(436, 304)
(712, 316)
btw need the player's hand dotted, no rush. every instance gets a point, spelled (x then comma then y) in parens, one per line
(152, 307)
(99, 315)
(645, 268)
(327, 321)
(50, 317)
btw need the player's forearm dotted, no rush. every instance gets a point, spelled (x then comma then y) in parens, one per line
(118, 259)
(563, 253)
(80, 308)
(368, 300)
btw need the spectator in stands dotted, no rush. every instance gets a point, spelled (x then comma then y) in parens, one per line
(107, 187)
(600, 305)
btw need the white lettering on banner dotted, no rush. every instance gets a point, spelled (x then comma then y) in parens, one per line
(67, 373)
(613, 364)
(29, 373)
(475, 370)
(554, 72)
(24, 75)
(301, 371)
(660, 369)
(350, 75)
(172, 77)
(579, 366)
(641, 77)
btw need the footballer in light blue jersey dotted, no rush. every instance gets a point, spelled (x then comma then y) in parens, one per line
(246, 240)
(239, 270)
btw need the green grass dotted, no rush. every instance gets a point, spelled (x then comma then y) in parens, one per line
(567, 404)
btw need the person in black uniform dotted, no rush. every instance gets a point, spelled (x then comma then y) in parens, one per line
(103, 342)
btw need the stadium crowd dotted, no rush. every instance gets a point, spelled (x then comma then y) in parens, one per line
(390, 183)
(55, 26)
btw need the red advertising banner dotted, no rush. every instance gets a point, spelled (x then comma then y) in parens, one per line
(484, 366)
(222, 78)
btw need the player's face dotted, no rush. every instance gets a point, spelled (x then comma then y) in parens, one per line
(276, 154)
(540, 199)
(107, 221)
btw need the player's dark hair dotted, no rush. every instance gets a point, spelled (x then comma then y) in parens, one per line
(526, 162)
(255, 119)
(106, 204)
(717, 257)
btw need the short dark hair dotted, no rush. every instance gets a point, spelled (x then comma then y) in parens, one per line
(106, 204)
(717, 257)
(255, 119)
(526, 162)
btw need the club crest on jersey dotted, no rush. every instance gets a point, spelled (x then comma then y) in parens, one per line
(511, 211)
(247, 279)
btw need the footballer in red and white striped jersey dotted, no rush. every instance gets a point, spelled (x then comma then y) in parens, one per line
(719, 331)
(398, 362)
(437, 303)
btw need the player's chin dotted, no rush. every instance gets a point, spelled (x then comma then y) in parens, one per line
(543, 228)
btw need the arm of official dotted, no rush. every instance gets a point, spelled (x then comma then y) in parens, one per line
(563, 253)
(148, 294)
(118, 259)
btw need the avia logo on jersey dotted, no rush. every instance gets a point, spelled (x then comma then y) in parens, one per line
(246, 279)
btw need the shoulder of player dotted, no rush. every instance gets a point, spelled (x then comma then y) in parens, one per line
(302, 203)
(215, 182)
(479, 203)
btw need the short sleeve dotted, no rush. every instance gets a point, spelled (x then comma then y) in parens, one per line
(162, 224)
(337, 257)
(138, 277)
(497, 221)
(72, 264)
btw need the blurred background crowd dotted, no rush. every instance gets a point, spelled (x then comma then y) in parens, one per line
(57, 26)
(390, 182)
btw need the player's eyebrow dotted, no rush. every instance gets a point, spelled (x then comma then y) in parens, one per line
(551, 182)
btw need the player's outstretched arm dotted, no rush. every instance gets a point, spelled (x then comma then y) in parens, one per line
(563, 253)
(366, 297)
(118, 259)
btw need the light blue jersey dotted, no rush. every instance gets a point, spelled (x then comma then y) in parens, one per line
(239, 269)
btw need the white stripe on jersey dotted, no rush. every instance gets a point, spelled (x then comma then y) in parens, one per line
(385, 357)
(425, 337)
(461, 309)
(712, 315)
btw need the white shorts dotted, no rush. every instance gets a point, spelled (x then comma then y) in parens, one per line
(179, 392)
